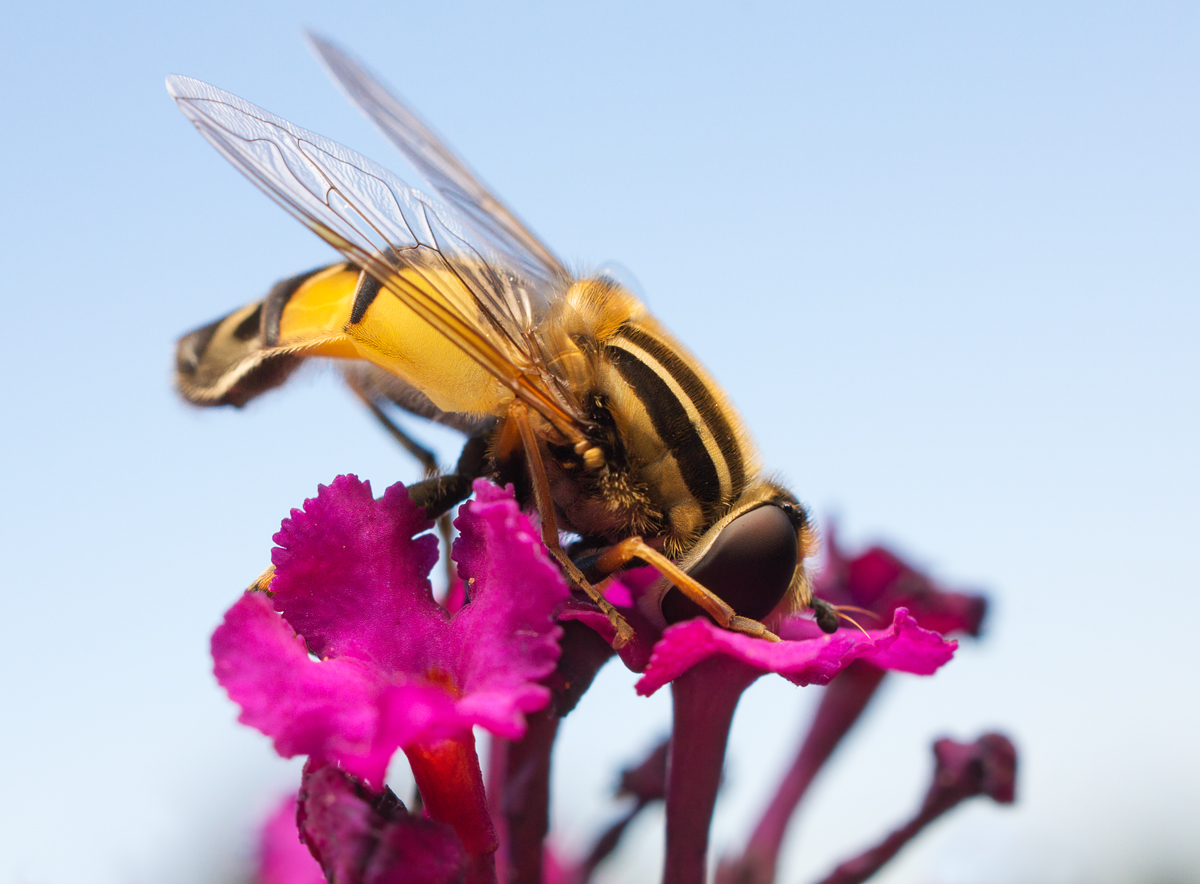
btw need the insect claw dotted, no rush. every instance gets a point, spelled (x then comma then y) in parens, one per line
(625, 632)
(746, 626)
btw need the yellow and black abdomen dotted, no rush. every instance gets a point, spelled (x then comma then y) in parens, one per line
(339, 312)
(238, 357)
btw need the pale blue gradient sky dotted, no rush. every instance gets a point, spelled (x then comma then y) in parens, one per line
(946, 259)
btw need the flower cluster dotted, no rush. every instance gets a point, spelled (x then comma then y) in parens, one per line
(350, 658)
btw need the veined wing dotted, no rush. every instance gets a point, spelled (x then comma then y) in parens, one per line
(441, 167)
(405, 240)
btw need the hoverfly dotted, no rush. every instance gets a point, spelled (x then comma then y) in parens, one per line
(453, 310)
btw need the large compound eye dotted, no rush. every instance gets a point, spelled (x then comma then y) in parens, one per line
(750, 565)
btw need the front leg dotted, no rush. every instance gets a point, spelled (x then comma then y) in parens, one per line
(519, 414)
(438, 494)
(617, 556)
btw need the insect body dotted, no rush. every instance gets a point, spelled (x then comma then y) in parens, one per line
(453, 310)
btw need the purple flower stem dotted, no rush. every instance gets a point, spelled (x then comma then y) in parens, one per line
(526, 803)
(985, 767)
(497, 774)
(703, 698)
(842, 702)
(451, 784)
(524, 807)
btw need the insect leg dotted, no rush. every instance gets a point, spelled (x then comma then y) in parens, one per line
(413, 447)
(620, 554)
(545, 504)
(439, 493)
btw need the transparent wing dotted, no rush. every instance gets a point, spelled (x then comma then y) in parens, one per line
(384, 226)
(442, 168)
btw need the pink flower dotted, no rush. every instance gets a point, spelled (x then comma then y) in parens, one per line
(811, 657)
(709, 668)
(881, 582)
(987, 766)
(395, 669)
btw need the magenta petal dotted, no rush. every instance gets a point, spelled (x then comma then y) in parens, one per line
(623, 594)
(916, 650)
(418, 712)
(352, 579)
(506, 637)
(398, 669)
(282, 857)
(308, 707)
(635, 654)
(903, 645)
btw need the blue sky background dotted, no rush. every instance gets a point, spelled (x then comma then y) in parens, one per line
(943, 256)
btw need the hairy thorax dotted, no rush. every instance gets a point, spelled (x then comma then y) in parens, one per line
(670, 454)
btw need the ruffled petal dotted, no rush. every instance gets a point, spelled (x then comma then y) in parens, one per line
(505, 638)
(398, 669)
(903, 645)
(351, 577)
(307, 707)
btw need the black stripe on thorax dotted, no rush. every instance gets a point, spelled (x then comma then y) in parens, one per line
(702, 399)
(674, 427)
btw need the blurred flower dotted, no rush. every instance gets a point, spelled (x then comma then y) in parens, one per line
(963, 770)
(282, 856)
(880, 581)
